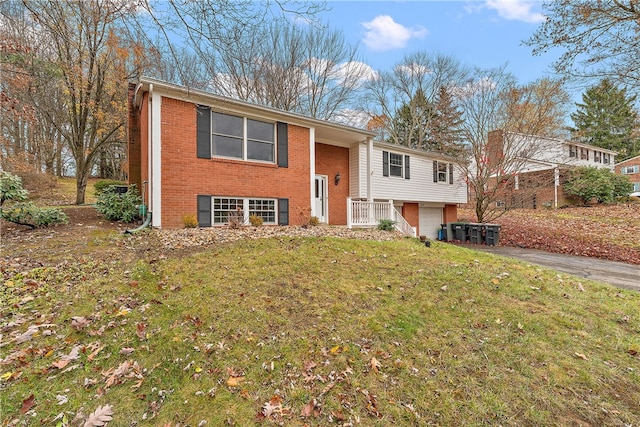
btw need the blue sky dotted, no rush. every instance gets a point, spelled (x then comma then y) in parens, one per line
(486, 34)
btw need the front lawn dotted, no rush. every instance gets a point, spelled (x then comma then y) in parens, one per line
(313, 331)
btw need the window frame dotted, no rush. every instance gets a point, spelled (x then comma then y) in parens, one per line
(269, 216)
(245, 140)
(630, 170)
(395, 166)
(443, 173)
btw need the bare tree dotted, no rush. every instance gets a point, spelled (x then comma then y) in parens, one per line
(309, 70)
(493, 101)
(598, 38)
(407, 95)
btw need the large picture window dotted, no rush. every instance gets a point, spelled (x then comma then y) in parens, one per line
(242, 138)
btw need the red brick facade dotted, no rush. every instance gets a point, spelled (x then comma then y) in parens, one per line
(630, 164)
(411, 212)
(331, 160)
(184, 176)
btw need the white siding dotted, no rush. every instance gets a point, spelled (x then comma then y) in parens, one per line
(358, 171)
(420, 188)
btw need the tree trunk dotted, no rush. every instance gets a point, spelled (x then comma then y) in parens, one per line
(81, 185)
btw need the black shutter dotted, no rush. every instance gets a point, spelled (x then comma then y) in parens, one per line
(204, 211)
(283, 145)
(435, 171)
(203, 125)
(450, 173)
(406, 167)
(385, 163)
(283, 211)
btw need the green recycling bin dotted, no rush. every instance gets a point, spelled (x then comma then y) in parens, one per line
(492, 234)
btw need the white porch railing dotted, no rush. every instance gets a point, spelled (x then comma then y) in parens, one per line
(368, 214)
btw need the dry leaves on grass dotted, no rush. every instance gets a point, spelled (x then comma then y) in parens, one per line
(100, 417)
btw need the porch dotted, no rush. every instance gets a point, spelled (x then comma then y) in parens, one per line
(362, 213)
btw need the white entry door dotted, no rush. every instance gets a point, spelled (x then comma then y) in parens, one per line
(321, 198)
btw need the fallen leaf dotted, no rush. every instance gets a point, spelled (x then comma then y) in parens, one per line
(60, 364)
(78, 322)
(126, 350)
(27, 404)
(94, 353)
(234, 381)
(580, 356)
(307, 410)
(99, 417)
(375, 364)
(141, 331)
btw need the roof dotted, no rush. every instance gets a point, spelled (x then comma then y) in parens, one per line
(633, 160)
(330, 132)
(566, 142)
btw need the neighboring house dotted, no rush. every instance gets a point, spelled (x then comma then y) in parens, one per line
(631, 169)
(542, 165)
(195, 153)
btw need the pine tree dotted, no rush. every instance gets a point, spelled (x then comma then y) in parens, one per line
(411, 124)
(446, 125)
(606, 118)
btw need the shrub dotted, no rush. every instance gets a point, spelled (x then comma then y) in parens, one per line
(32, 216)
(314, 221)
(189, 221)
(119, 207)
(104, 184)
(587, 183)
(256, 220)
(11, 188)
(21, 212)
(235, 219)
(386, 225)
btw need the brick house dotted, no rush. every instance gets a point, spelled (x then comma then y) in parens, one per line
(195, 153)
(543, 167)
(631, 169)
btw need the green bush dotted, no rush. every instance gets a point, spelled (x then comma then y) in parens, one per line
(32, 216)
(104, 184)
(386, 225)
(119, 207)
(587, 183)
(11, 188)
(24, 213)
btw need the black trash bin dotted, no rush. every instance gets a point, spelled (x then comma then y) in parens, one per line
(460, 231)
(492, 234)
(475, 233)
(120, 189)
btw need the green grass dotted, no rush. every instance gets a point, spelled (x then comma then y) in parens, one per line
(378, 333)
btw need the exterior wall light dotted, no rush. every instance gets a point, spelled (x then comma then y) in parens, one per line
(337, 178)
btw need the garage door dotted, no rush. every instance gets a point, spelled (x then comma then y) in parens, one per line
(430, 222)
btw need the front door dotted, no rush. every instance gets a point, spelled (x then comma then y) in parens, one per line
(321, 198)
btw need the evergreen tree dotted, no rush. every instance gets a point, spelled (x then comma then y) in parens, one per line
(411, 123)
(446, 125)
(606, 118)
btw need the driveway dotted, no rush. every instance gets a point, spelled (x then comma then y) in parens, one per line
(612, 272)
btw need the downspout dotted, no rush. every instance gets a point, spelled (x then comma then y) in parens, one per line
(143, 211)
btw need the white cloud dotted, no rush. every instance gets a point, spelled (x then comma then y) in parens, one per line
(516, 10)
(414, 70)
(354, 68)
(383, 33)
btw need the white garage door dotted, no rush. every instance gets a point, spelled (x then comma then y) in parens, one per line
(430, 222)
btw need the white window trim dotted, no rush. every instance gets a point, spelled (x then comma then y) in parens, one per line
(245, 209)
(401, 165)
(446, 172)
(630, 170)
(245, 139)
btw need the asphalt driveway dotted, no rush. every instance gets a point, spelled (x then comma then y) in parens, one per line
(612, 272)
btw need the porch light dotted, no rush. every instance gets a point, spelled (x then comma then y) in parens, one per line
(337, 178)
